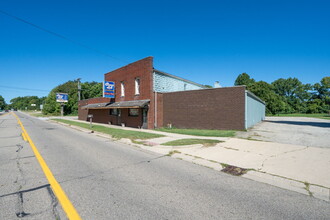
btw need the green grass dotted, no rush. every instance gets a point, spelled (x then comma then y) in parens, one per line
(40, 114)
(114, 132)
(322, 116)
(37, 114)
(199, 132)
(173, 152)
(191, 141)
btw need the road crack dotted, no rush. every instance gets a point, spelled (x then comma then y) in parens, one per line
(20, 181)
(54, 203)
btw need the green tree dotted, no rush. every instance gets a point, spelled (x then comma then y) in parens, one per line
(2, 103)
(71, 107)
(320, 101)
(26, 103)
(244, 79)
(290, 95)
(89, 90)
(293, 91)
(274, 102)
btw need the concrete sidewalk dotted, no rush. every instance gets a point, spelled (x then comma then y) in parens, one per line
(298, 168)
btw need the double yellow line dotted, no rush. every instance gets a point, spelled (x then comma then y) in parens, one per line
(67, 206)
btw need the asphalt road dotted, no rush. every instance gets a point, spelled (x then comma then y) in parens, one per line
(109, 180)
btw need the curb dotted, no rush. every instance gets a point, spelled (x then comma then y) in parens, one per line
(308, 189)
(305, 188)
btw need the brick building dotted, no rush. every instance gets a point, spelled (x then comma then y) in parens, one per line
(149, 98)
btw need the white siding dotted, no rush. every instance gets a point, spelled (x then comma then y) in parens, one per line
(165, 83)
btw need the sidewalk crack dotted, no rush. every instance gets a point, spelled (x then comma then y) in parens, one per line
(286, 152)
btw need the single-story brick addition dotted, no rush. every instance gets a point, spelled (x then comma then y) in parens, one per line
(149, 98)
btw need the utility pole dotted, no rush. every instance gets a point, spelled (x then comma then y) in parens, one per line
(79, 88)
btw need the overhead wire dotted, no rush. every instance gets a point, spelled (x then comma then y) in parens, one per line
(61, 36)
(20, 88)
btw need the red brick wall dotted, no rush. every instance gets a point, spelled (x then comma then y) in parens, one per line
(131, 121)
(220, 108)
(160, 110)
(142, 69)
(82, 113)
(100, 115)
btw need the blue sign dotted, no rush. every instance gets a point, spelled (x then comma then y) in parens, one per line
(62, 97)
(109, 89)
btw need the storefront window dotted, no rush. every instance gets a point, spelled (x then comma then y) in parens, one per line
(114, 111)
(133, 112)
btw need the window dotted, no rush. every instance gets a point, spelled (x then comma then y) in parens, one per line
(137, 86)
(133, 112)
(114, 111)
(122, 89)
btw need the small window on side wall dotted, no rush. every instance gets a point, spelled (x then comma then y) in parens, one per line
(133, 112)
(114, 111)
(137, 86)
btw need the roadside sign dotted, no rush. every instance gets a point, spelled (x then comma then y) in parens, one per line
(109, 89)
(62, 97)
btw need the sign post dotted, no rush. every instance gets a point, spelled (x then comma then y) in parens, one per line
(62, 109)
(62, 98)
(90, 120)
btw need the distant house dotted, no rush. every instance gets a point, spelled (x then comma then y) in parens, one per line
(148, 98)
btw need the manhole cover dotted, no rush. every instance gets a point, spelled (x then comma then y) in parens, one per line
(236, 171)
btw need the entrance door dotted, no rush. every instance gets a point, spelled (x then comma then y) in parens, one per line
(119, 117)
(145, 118)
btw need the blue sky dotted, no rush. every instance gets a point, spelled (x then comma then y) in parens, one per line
(203, 41)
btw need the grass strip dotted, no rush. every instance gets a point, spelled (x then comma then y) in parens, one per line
(200, 132)
(191, 141)
(114, 132)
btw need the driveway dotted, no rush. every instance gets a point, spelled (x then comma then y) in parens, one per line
(312, 132)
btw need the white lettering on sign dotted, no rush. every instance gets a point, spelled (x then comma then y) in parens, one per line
(109, 86)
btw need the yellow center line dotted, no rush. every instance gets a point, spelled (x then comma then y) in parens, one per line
(70, 211)
(24, 137)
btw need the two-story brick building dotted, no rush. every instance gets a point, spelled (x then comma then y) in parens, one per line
(147, 98)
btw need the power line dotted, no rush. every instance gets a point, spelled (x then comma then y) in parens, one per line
(61, 36)
(20, 88)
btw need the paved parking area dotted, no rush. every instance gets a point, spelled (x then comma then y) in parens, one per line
(311, 132)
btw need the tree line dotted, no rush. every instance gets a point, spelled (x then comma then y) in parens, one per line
(48, 104)
(88, 90)
(281, 96)
(290, 95)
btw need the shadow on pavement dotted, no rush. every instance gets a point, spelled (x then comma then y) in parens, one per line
(305, 123)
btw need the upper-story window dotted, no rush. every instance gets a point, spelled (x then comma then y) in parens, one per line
(122, 89)
(137, 86)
